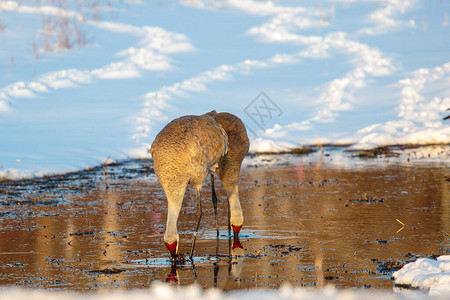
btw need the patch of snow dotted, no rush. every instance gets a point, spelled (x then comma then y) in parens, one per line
(383, 20)
(266, 145)
(419, 119)
(425, 273)
(15, 174)
(44, 10)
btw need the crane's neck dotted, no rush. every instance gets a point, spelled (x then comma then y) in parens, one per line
(174, 201)
(237, 217)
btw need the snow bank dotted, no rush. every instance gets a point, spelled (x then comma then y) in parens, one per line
(259, 145)
(71, 110)
(429, 274)
(400, 134)
(164, 291)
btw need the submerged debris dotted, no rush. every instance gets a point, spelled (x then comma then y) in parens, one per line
(11, 202)
(389, 267)
(298, 151)
(369, 200)
(366, 199)
(376, 152)
(47, 188)
(303, 150)
(107, 271)
(287, 248)
(87, 232)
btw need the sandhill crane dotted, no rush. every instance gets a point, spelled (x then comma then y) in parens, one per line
(184, 152)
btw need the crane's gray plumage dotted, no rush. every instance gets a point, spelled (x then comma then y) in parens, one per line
(230, 164)
(185, 151)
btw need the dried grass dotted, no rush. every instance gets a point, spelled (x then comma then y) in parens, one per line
(62, 31)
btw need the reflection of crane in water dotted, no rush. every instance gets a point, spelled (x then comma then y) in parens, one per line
(185, 151)
(235, 264)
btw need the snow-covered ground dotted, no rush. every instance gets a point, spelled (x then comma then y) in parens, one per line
(82, 81)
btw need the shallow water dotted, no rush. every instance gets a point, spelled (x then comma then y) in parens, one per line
(309, 221)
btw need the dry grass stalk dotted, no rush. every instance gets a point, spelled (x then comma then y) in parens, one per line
(105, 173)
(61, 30)
(403, 225)
(400, 222)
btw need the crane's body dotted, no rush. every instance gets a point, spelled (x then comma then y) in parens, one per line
(184, 152)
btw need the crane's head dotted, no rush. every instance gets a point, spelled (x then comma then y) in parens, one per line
(173, 249)
(172, 246)
(236, 229)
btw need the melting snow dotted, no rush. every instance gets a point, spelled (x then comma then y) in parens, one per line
(368, 82)
(428, 274)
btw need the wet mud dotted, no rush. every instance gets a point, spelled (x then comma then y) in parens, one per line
(309, 221)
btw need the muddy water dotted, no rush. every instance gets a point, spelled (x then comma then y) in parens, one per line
(308, 222)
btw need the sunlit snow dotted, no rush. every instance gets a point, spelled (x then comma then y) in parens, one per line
(103, 83)
(426, 274)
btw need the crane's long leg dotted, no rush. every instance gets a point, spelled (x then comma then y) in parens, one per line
(214, 201)
(199, 217)
(229, 217)
(229, 228)
(216, 273)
